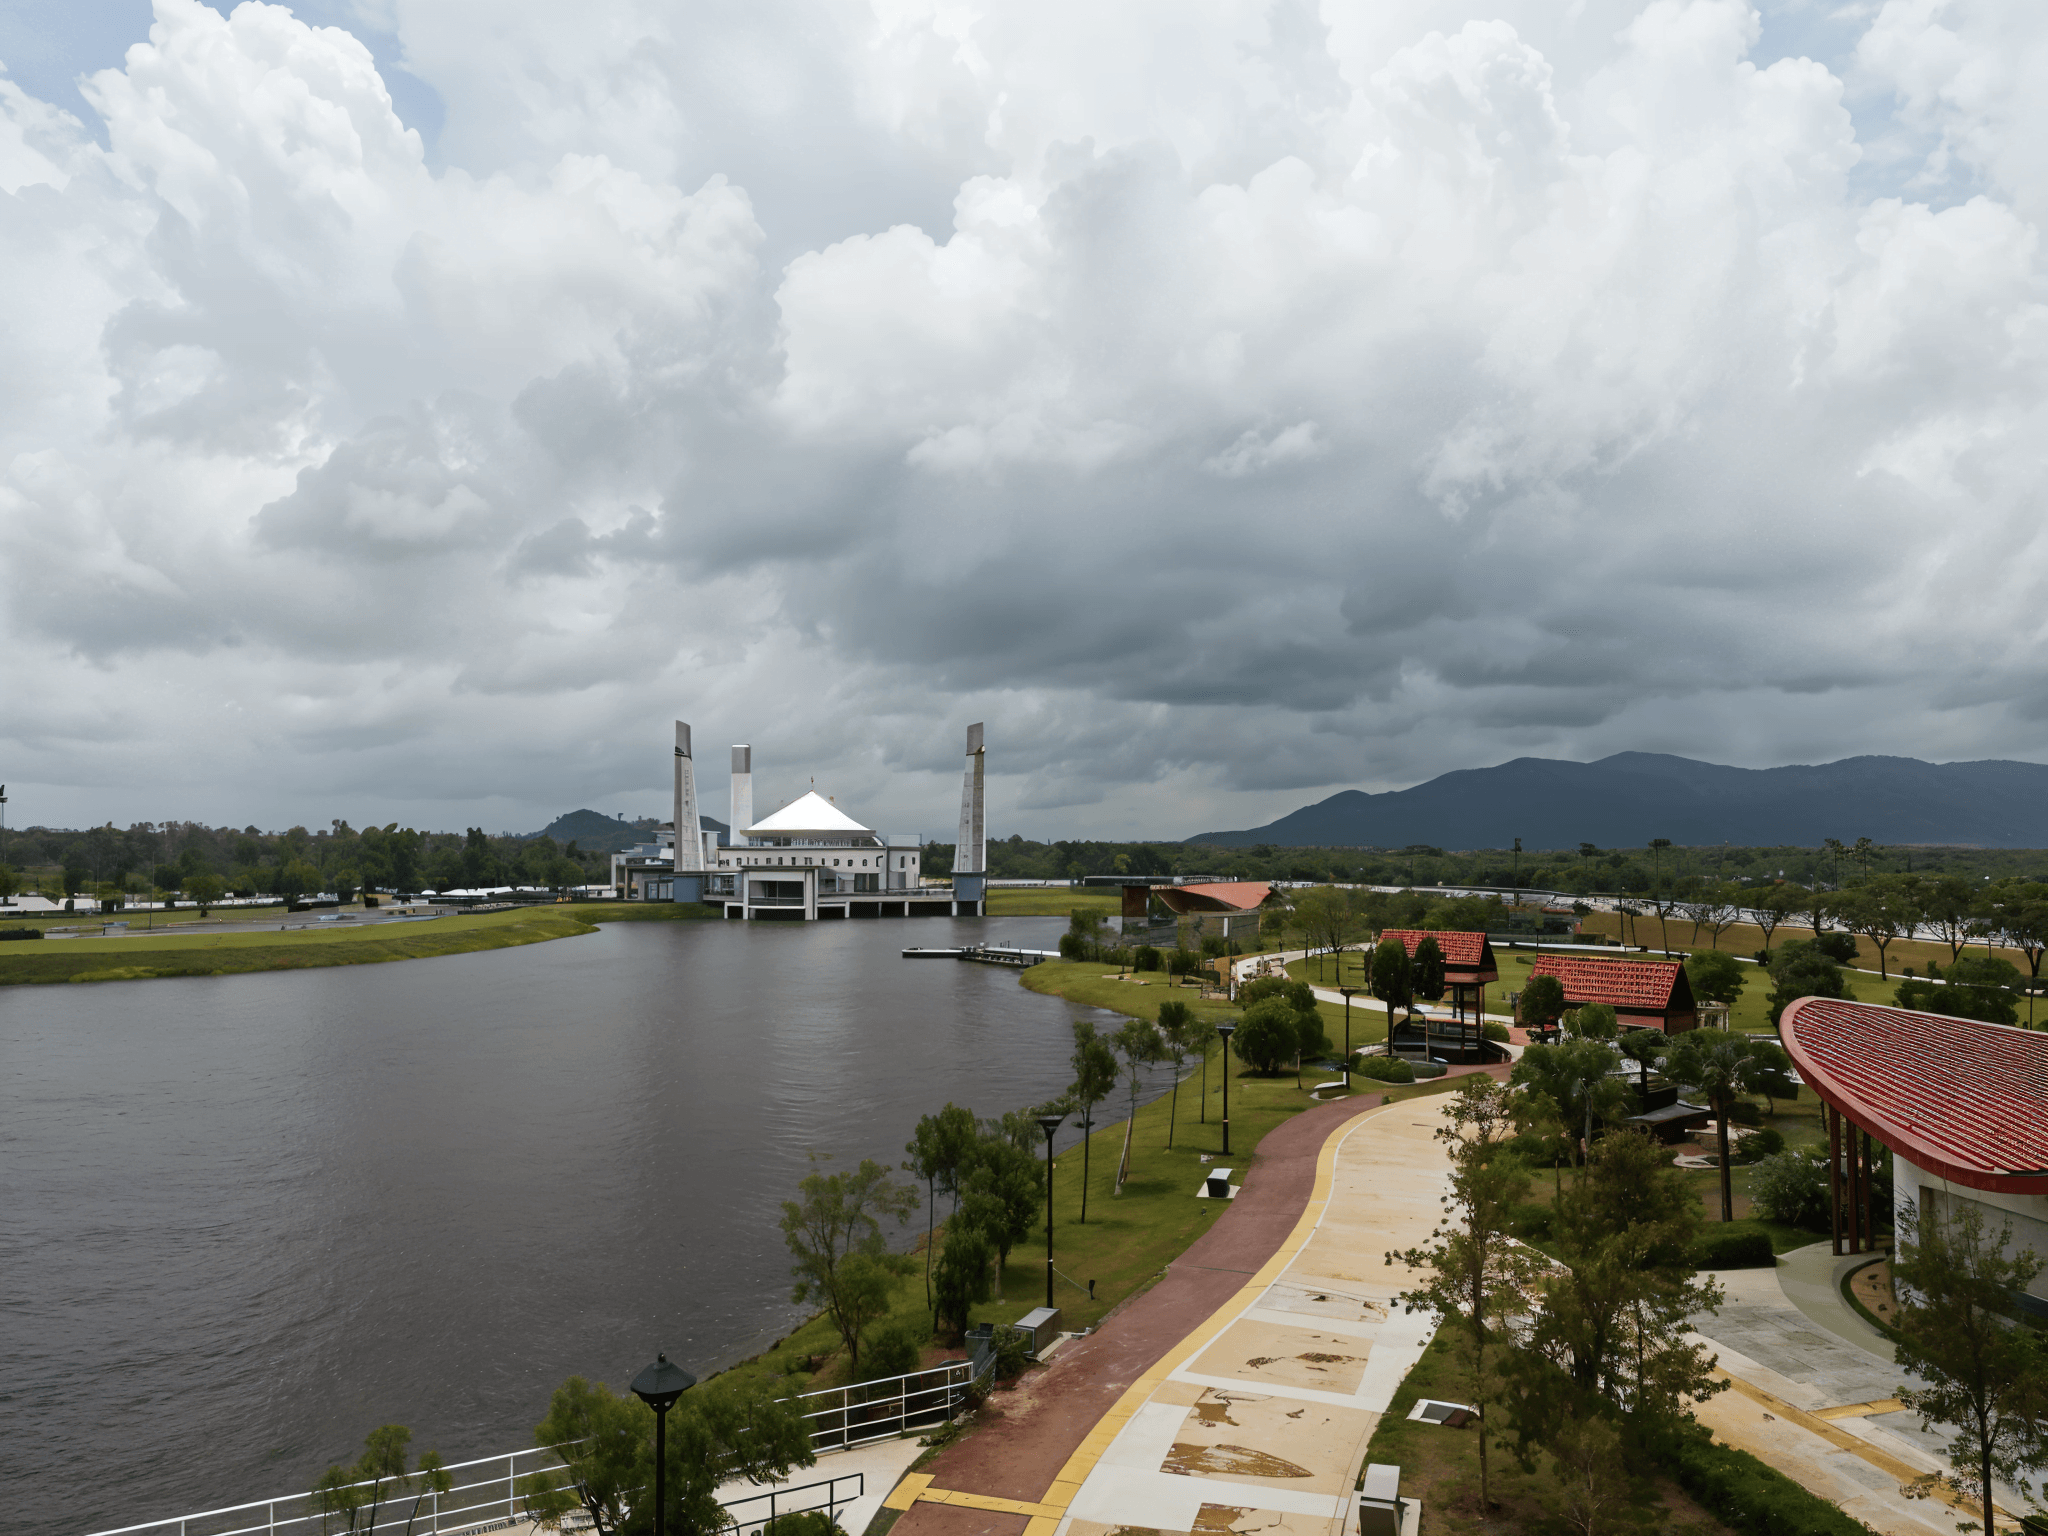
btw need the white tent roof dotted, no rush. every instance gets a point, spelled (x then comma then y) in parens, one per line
(812, 813)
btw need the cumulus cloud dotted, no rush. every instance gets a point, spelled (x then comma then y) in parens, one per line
(1229, 402)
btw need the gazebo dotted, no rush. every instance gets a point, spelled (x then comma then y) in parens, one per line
(1468, 967)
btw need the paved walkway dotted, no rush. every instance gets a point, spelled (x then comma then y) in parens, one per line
(1244, 1386)
(1814, 1393)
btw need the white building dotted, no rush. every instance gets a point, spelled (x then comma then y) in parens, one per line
(808, 861)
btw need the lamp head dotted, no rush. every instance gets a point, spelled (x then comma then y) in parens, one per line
(1050, 1123)
(1226, 1031)
(661, 1383)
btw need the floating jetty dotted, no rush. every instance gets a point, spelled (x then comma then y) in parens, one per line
(986, 954)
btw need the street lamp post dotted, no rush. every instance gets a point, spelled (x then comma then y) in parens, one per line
(658, 1386)
(1225, 1031)
(1048, 1124)
(1347, 991)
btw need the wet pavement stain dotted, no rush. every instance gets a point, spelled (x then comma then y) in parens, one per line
(1228, 1461)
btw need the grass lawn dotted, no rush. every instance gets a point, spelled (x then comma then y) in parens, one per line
(1053, 901)
(1441, 1468)
(142, 922)
(141, 956)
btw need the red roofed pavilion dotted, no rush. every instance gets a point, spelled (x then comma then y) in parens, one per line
(1220, 896)
(1963, 1106)
(1468, 957)
(1644, 994)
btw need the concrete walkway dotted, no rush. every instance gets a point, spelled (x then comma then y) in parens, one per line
(1258, 1415)
(1814, 1394)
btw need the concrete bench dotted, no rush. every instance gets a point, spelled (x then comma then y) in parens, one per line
(1317, 1092)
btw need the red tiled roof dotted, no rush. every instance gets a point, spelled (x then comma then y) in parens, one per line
(1963, 1100)
(1468, 957)
(1463, 950)
(1221, 896)
(1640, 985)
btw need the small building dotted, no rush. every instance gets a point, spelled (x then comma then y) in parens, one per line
(1160, 914)
(812, 861)
(1468, 965)
(1644, 994)
(1962, 1105)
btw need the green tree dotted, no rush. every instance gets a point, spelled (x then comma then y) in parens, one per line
(1881, 910)
(834, 1233)
(1723, 1065)
(1137, 1046)
(1267, 1034)
(1577, 1077)
(1716, 977)
(1643, 1047)
(1771, 906)
(1474, 1275)
(10, 883)
(339, 1496)
(1801, 970)
(725, 1430)
(1595, 1021)
(384, 1455)
(1613, 1324)
(430, 1479)
(1950, 909)
(1977, 988)
(1987, 1379)
(1094, 1063)
(205, 890)
(940, 1145)
(1392, 980)
(1005, 1192)
(1542, 1003)
(345, 882)
(962, 1278)
(1181, 1035)
(1792, 1188)
(1328, 922)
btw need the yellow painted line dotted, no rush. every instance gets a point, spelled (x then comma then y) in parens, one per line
(959, 1500)
(1860, 1410)
(906, 1493)
(1842, 1440)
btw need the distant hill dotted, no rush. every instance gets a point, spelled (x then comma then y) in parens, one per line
(595, 832)
(1627, 799)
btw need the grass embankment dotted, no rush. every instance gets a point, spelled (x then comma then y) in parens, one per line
(1053, 901)
(143, 922)
(150, 955)
(1129, 1239)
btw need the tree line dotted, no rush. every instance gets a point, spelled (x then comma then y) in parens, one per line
(203, 863)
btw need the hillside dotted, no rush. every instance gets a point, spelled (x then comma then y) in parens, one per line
(1625, 800)
(595, 832)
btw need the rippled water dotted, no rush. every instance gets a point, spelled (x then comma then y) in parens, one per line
(245, 1219)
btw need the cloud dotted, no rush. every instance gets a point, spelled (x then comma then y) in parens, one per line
(1230, 403)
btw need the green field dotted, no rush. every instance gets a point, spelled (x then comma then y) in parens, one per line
(1053, 901)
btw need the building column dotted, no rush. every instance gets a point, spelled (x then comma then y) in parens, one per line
(1834, 1119)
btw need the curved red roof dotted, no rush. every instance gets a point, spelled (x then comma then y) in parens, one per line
(1964, 1100)
(1218, 896)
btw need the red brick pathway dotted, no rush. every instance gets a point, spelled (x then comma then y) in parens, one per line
(1027, 1435)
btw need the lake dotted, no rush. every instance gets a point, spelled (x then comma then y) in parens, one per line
(246, 1219)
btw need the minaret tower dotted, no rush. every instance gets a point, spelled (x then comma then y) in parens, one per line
(970, 853)
(689, 884)
(742, 794)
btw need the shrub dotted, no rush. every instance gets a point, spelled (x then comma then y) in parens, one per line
(1793, 1188)
(1428, 1068)
(21, 933)
(1530, 1222)
(809, 1522)
(1733, 1245)
(1838, 947)
(1385, 1069)
(1013, 1351)
(1747, 1495)
(1496, 1031)
(1267, 1036)
(1761, 1144)
(891, 1350)
(1072, 948)
(1147, 959)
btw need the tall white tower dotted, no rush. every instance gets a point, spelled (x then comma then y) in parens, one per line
(970, 853)
(689, 884)
(742, 794)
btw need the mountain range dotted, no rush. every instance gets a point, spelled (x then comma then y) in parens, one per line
(1631, 797)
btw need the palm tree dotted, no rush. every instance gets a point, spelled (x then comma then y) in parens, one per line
(1643, 1046)
(1723, 1065)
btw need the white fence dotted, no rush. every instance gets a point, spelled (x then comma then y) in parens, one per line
(486, 1492)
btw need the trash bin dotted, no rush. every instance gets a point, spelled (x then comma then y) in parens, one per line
(1380, 1505)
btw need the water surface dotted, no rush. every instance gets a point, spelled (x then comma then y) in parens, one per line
(245, 1219)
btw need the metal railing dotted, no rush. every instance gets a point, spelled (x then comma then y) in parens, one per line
(795, 1501)
(840, 1418)
(844, 1417)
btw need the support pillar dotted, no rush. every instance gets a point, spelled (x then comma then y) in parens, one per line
(1834, 1119)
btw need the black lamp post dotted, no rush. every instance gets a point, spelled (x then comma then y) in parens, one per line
(1347, 991)
(1225, 1031)
(1048, 1124)
(658, 1386)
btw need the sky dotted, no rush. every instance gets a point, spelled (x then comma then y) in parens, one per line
(408, 408)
